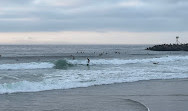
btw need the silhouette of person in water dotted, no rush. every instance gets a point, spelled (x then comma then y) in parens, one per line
(88, 61)
(73, 58)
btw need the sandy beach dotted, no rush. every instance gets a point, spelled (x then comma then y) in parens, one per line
(157, 95)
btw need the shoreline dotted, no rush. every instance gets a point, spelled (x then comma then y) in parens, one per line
(157, 95)
(93, 86)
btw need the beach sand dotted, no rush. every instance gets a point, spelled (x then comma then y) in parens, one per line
(157, 95)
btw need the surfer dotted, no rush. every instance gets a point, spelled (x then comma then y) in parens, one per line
(156, 63)
(73, 58)
(88, 61)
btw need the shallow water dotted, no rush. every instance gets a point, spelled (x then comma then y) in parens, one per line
(34, 68)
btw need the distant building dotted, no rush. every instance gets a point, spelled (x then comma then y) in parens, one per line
(177, 40)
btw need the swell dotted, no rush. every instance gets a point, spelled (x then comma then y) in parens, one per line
(31, 65)
(68, 80)
(61, 64)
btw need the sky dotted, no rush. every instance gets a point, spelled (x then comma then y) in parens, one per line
(93, 21)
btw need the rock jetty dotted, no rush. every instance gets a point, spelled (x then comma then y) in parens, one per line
(169, 47)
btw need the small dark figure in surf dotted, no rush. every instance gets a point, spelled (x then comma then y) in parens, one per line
(156, 63)
(100, 54)
(88, 61)
(73, 58)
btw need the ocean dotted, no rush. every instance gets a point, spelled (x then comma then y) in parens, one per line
(33, 68)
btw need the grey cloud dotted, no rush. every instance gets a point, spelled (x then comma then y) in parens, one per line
(90, 15)
(9, 3)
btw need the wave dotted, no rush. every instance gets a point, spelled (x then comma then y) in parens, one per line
(31, 65)
(60, 64)
(63, 64)
(128, 61)
(66, 79)
(28, 86)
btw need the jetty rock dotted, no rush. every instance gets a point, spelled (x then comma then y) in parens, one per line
(169, 47)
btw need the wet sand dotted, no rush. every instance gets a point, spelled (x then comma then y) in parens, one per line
(157, 95)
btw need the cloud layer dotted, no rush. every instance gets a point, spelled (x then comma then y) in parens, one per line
(93, 15)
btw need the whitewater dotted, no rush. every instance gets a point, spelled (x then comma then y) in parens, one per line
(20, 73)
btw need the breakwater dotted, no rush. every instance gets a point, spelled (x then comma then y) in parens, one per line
(169, 47)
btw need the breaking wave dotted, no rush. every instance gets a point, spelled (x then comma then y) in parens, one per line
(63, 64)
(129, 61)
(31, 65)
(67, 80)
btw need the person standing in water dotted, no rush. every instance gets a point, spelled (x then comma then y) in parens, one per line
(88, 61)
(73, 58)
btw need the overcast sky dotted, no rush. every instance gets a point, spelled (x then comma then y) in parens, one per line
(75, 21)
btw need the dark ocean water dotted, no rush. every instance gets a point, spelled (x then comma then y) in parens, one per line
(31, 68)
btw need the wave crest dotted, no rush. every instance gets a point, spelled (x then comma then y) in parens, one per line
(31, 65)
(62, 64)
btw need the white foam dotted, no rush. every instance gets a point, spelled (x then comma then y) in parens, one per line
(128, 61)
(65, 79)
(41, 65)
(32, 65)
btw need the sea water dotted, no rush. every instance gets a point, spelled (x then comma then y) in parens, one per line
(32, 68)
